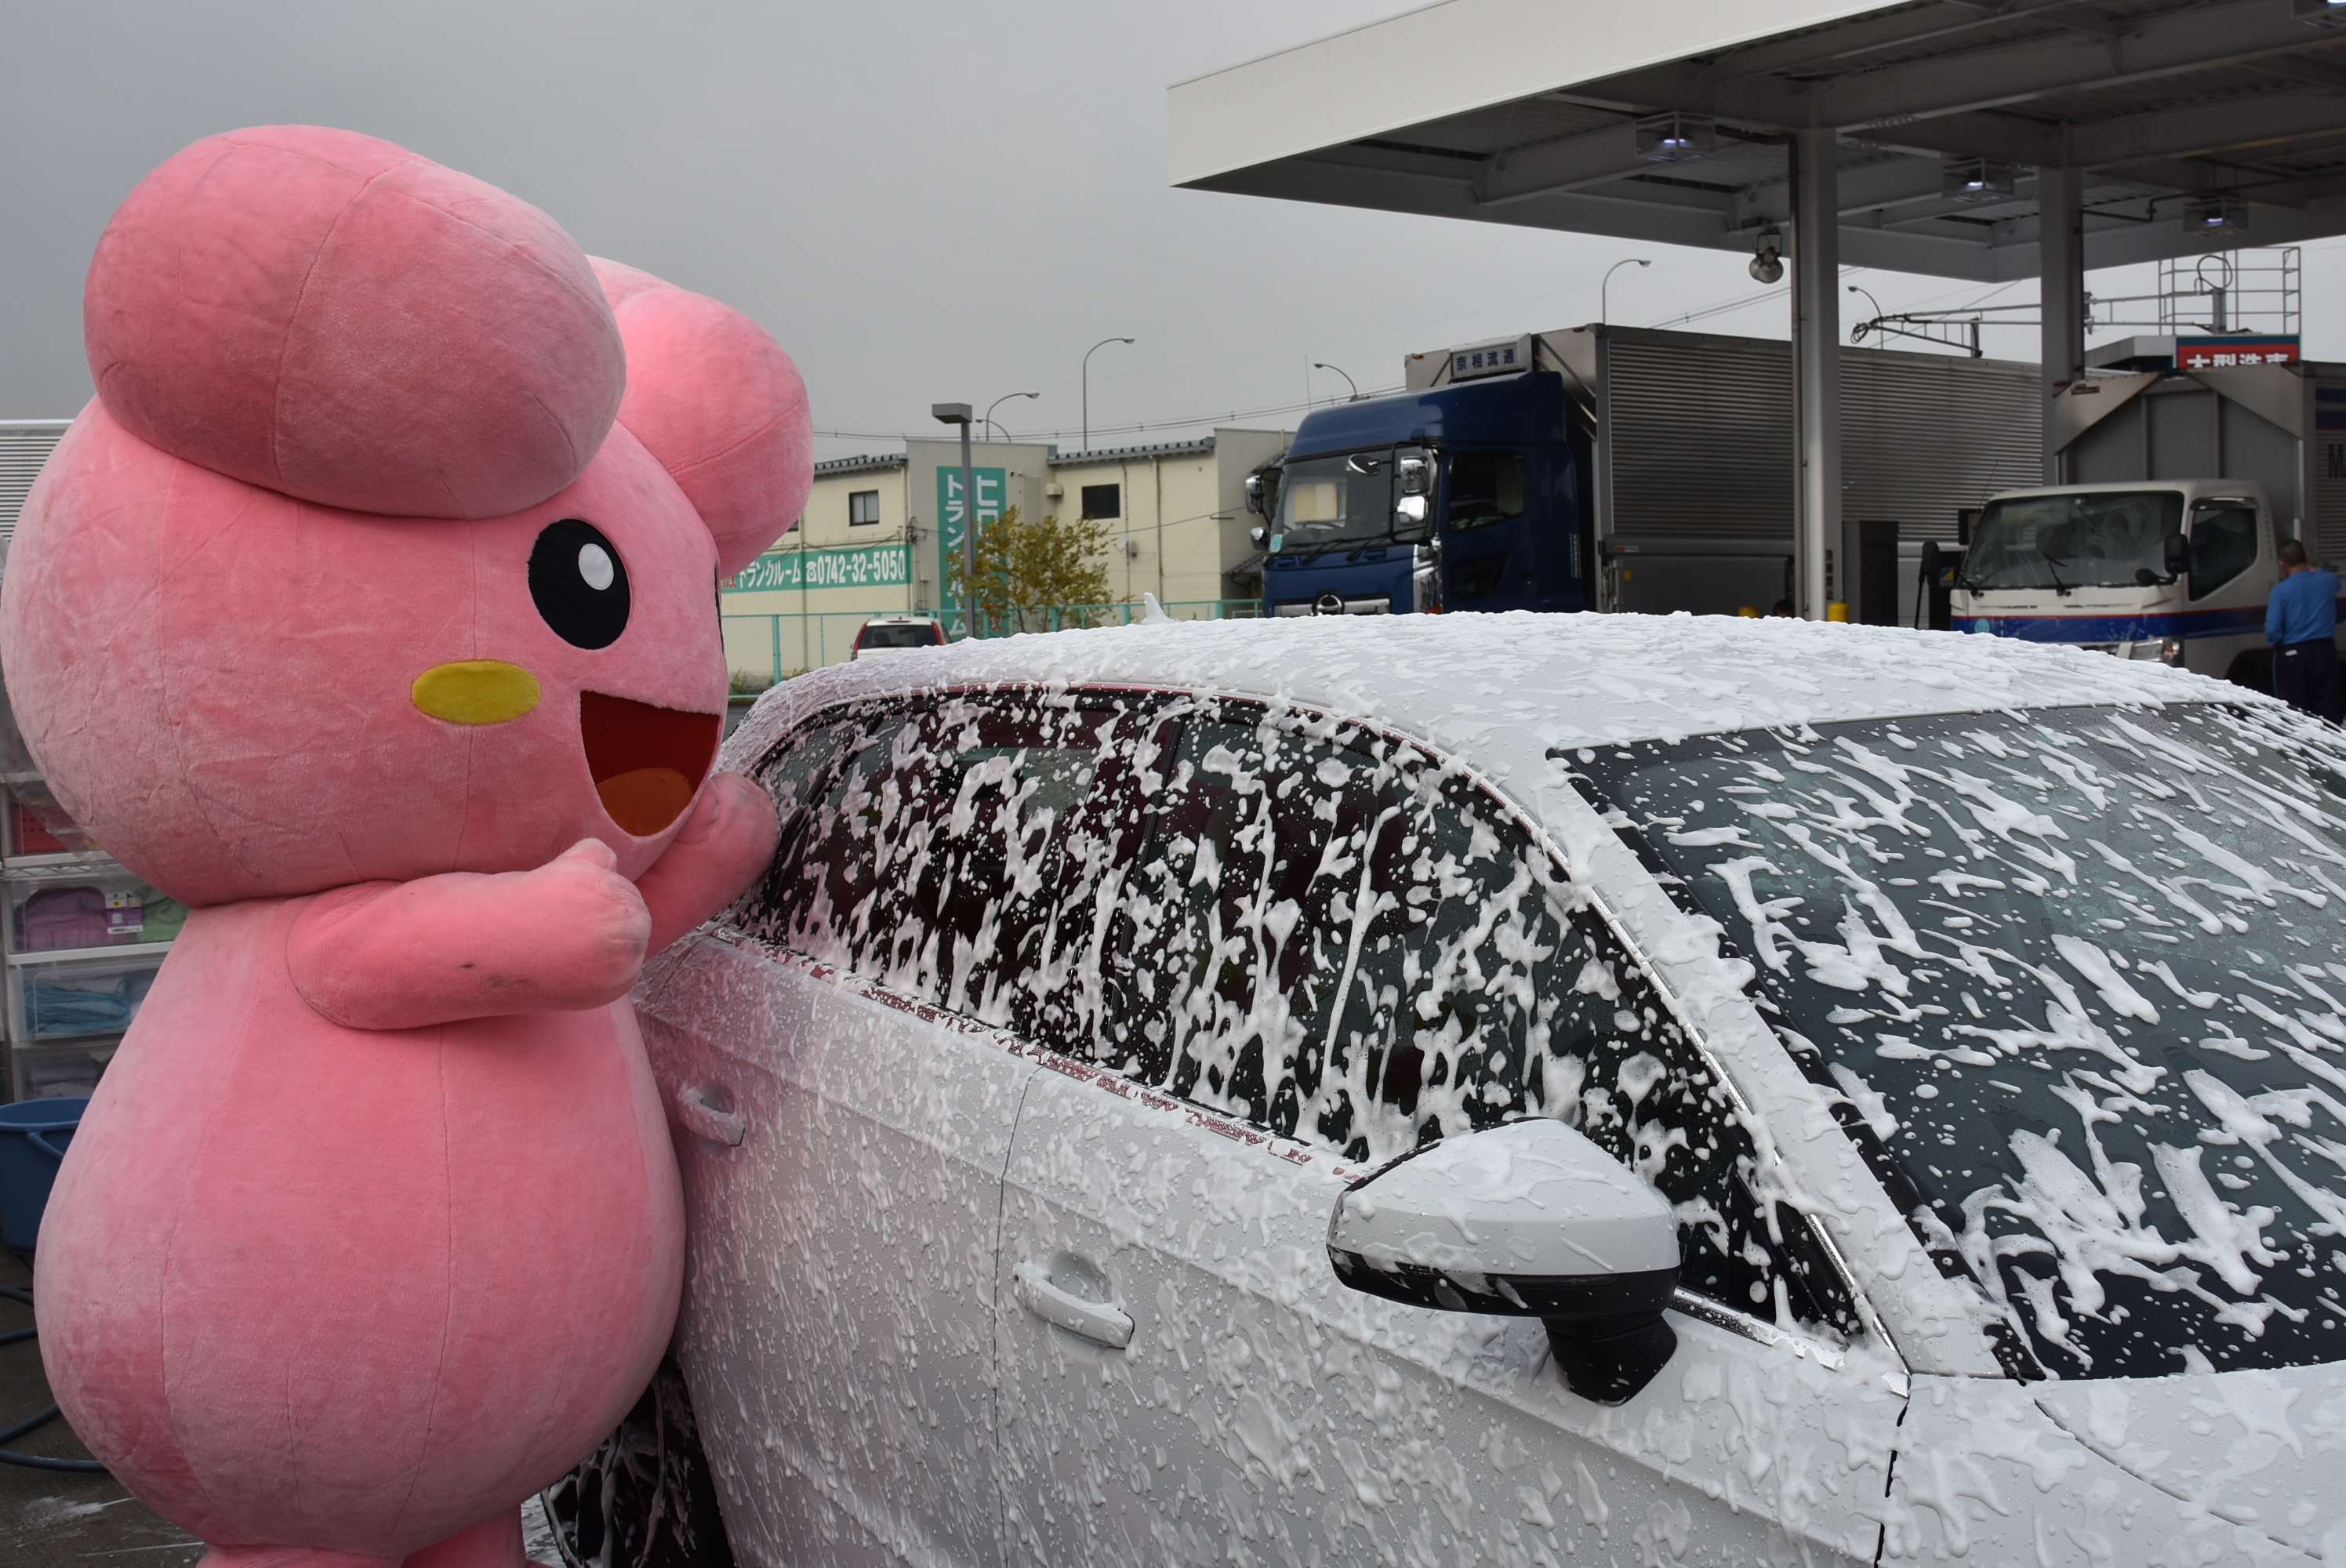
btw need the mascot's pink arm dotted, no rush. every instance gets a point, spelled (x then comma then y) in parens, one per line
(723, 846)
(569, 935)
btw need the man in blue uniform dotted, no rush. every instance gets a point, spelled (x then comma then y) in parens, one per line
(2301, 624)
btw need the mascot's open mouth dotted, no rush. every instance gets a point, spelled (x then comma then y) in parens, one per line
(646, 762)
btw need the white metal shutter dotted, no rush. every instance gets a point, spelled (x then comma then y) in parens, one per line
(25, 445)
(1923, 435)
(1701, 436)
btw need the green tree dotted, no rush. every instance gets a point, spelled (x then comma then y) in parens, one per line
(1024, 568)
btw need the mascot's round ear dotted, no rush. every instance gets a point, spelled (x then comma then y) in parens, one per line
(335, 318)
(716, 400)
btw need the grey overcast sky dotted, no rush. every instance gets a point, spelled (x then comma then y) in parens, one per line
(923, 202)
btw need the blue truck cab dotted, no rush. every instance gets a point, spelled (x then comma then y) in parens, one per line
(1460, 497)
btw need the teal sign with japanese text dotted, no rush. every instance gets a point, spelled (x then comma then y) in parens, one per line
(990, 482)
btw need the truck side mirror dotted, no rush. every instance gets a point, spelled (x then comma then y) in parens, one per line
(1416, 475)
(2178, 555)
(1254, 494)
(1411, 510)
(1931, 568)
(1258, 533)
(1527, 1220)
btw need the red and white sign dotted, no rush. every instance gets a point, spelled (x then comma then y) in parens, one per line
(2223, 353)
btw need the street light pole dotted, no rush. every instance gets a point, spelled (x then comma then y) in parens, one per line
(1095, 348)
(1348, 379)
(958, 413)
(1604, 289)
(997, 402)
(1858, 331)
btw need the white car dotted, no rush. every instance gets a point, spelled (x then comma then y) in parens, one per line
(1877, 1096)
(887, 636)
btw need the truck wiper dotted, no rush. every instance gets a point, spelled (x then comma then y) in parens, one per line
(2058, 586)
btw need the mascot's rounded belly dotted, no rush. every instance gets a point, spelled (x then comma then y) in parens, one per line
(303, 1283)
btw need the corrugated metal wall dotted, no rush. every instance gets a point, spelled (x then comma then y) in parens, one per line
(1702, 436)
(1925, 435)
(24, 446)
(2329, 435)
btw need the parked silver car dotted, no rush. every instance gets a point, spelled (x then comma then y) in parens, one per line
(1521, 1089)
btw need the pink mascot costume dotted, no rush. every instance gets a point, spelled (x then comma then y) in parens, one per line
(368, 610)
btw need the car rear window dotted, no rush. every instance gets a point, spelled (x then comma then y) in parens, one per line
(2076, 976)
(897, 636)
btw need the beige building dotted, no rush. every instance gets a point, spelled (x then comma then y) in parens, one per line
(871, 541)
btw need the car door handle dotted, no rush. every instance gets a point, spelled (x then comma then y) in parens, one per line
(701, 1118)
(1095, 1320)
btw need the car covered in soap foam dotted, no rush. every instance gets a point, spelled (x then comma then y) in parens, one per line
(1521, 1089)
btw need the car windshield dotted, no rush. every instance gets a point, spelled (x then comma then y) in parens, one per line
(1330, 500)
(2075, 978)
(2099, 541)
(897, 636)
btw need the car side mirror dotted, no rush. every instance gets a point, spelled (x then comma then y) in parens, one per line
(1526, 1220)
(2178, 555)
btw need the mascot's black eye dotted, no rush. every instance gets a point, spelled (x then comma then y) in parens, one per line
(579, 583)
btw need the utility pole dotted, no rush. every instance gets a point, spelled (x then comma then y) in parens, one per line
(959, 414)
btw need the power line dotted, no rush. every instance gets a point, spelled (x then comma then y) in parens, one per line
(1162, 425)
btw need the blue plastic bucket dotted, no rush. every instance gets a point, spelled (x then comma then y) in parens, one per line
(33, 1139)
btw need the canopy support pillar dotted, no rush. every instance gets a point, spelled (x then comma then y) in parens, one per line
(1825, 558)
(2061, 294)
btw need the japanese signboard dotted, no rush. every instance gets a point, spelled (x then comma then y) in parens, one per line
(868, 567)
(2223, 353)
(990, 483)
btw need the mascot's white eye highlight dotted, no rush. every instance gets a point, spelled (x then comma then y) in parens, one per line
(594, 566)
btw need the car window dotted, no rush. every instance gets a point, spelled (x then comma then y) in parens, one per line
(1485, 487)
(1323, 932)
(2223, 546)
(897, 636)
(917, 844)
(2079, 975)
(1336, 938)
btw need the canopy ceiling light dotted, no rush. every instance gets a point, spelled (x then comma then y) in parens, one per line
(2216, 215)
(1977, 179)
(1676, 139)
(1766, 262)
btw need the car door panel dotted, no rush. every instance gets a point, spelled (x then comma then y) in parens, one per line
(1330, 928)
(837, 1327)
(1262, 1411)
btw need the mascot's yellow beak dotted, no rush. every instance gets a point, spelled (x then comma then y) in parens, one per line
(475, 691)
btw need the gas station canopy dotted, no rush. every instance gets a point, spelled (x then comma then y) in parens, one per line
(2184, 126)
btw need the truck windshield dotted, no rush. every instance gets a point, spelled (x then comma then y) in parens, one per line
(2083, 973)
(1330, 500)
(2099, 541)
